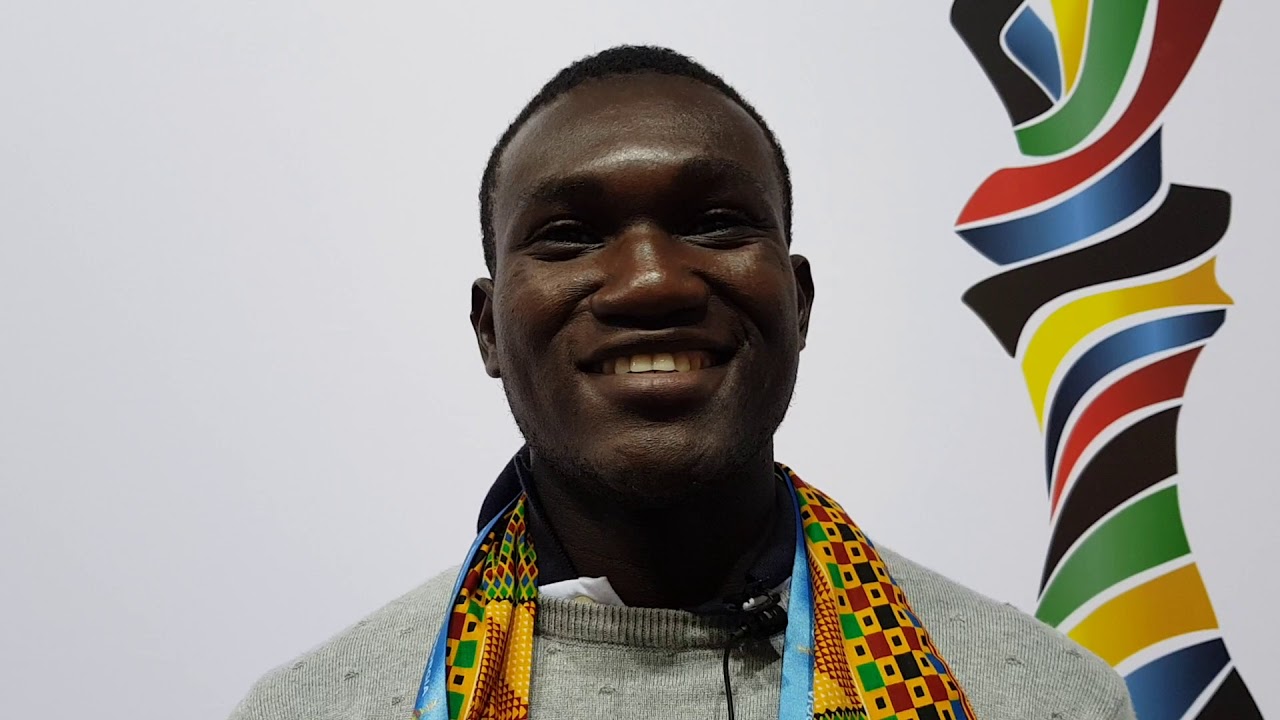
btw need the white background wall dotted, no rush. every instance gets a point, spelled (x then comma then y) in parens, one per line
(240, 401)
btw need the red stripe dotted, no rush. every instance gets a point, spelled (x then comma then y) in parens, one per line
(1155, 383)
(1181, 28)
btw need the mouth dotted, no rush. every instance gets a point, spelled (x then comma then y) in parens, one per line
(658, 375)
(680, 361)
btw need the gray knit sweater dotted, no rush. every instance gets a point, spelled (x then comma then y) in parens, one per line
(596, 661)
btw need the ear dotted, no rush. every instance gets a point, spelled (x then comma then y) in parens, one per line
(482, 323)
(804, 293)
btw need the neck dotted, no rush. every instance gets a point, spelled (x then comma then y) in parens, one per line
(680, 555)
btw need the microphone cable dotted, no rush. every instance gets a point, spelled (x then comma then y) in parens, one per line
(762, 617)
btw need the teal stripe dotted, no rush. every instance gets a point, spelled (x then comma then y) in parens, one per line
(1138, 538)
(1114, 27)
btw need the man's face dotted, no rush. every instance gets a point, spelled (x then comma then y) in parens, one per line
(645, 315)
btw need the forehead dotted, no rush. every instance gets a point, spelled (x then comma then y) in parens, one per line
(645, 119)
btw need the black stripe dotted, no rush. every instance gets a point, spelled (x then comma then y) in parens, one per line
(1231, 701)
(979, 23)
(1191, 221)
(1133, 461)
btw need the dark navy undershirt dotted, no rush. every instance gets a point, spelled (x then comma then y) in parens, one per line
(763, 566)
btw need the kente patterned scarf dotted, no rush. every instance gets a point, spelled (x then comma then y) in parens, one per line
(854, 648)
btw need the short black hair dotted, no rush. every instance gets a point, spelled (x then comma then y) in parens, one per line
(619, 60)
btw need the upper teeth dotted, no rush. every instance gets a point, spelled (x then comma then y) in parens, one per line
(657, 362)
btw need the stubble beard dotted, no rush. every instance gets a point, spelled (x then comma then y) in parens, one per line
(646, 477)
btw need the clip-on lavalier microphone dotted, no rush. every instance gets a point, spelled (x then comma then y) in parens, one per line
(761, 617)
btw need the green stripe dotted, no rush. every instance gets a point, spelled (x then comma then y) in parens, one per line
(850, 626)
(465, 657)
(1114, 27)
(455, 704)
(870, 675)
(1138, 538)
(815, 532)
(833, 572)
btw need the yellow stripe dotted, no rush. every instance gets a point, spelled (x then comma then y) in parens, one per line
(1071, 323)
(1071, 17)
(519, 668)
(480, 677)
(1162, 608)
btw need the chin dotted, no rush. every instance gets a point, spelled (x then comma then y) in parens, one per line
(659, 470)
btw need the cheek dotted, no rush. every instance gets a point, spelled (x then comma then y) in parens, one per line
(530, 308)
(763, 287)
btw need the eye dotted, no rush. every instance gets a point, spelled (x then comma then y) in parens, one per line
(563, 239)
(723, 226)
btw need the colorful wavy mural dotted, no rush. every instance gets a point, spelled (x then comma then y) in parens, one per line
(1106, 298)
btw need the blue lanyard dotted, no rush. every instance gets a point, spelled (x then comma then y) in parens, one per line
(432, 703)
(796, 699)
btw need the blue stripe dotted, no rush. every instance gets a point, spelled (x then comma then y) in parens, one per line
(1164, 689)
(1032, 45)
(432, 690)
(1119, 194)
(1120, 349)
(796, 701)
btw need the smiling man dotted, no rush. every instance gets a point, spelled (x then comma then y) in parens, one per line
(644, 555)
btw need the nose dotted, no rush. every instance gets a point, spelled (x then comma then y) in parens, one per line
(651, 281)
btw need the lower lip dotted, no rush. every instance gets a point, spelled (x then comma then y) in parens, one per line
(660, 390)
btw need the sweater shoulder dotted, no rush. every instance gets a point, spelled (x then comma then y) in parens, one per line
(1008, 662)
(371, 670)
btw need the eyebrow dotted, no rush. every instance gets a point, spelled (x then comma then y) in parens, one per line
(570, 189)
(711, 170)
(564, 190)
